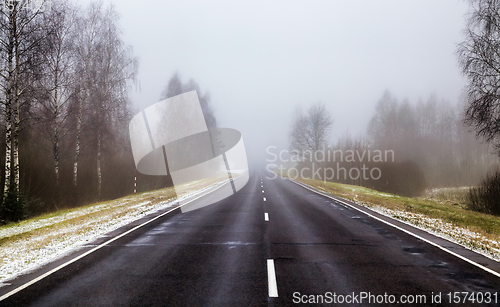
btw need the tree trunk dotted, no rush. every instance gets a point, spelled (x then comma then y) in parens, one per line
(55, 152)
(8, 149)
(56, 155)
(56, 168)
(8, 104)
(99, 174)
(15, 166)
(15, 147)
(77, 143)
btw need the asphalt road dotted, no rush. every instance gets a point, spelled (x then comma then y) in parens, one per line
(223, 255)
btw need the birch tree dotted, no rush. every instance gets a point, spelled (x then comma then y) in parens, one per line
(20, 35)
(479, 58)
(89, 40)
(175, 87)
(310, 131)
(59, 79)
(114, 68)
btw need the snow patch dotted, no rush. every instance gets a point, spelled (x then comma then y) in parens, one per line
(25, 255)
(459, 235)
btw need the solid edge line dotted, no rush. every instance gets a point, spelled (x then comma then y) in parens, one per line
(497, 274)
(271, 279)
(33, 281)
(266, 216)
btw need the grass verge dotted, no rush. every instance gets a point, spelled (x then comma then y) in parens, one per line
(29, 244)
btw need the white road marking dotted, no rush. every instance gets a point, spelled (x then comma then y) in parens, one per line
(271, 278)
(266, 217)
(33, 281)
(406, 231)
(264, 199)
(262, 191)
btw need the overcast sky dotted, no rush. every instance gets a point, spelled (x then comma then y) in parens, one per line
(260, 59)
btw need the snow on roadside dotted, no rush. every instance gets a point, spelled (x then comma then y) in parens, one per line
(459, 235)
(21, 258)
(25, 226)
(25, 255)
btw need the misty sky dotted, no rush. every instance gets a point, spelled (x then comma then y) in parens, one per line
(261, 59)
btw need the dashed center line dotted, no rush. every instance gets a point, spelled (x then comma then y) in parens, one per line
(271, 278)
(262, 191)
(266, 217)
(264, 199)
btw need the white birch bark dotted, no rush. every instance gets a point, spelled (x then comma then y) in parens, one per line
(99, 174)
(8, 103)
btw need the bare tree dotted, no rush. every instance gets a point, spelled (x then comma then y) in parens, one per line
(176, 87)
(479, 57)
(64, 78)
(89, 26)
(173, 88)
(206, 106)
(310, 132)
(20, 35)
(384, 125)
(299, 134)
(59, 78)
(114, 67)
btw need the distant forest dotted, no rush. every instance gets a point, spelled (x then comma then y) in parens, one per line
(431, 146)
(432, 134)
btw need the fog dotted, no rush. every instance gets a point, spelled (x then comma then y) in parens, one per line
(261, 60)
(388, 108)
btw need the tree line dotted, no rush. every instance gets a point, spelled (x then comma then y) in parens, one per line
(65, 78)
(429, 145)
(433, 135)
